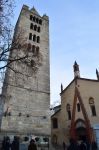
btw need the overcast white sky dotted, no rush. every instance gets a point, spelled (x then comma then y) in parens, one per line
(74, 35)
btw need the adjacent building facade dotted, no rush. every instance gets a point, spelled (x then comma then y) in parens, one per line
(78, 116)
(26, 90)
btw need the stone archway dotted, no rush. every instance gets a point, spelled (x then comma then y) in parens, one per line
(80, 129)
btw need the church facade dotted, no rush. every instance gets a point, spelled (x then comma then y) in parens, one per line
(78, 116)
(25, 98)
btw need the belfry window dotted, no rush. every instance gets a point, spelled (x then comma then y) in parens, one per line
(92, 106)
(40, 21)
(37, 50)
(68, 111)
(37, 20)
(34, 37)
(38, 29)
(38, 39)
(31, 26)
(30, 36)
(29, 47)
(33, 48)
(31, 17)
(34, 18)
(35, 27)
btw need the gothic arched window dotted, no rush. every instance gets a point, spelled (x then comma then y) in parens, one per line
(68, 111)
(92, 106)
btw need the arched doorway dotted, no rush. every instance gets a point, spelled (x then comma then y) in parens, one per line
(80, 129)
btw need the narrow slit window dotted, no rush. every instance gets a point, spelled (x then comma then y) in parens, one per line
(93, 110)
(78, 107)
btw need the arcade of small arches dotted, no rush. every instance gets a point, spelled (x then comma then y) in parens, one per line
(32, 48)
(34, 38)
(35, 19)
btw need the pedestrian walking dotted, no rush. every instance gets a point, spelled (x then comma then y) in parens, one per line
(73, 145)
(15, 143)
(83, 146)
(6, 143)
(64, 146)
(32, 145)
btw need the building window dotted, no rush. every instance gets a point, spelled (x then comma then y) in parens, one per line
(92, 106)
(29, 47)
(33, 48)
(34, 37)
(40, 22)
(55, 123)
(68, 111)
(78, 107)
(31, 26)
(38, 29)
(38, 39)
(35, 27)
(31, 17)
(37, 50)
(37, 20)
(30, 36)
(69, 114)
(93, 110)
(34, 18)
(32, 63)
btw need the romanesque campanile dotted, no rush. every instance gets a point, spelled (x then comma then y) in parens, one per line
(26, 89)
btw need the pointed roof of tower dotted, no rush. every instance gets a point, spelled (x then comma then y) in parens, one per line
(76, 66)
(34, 10)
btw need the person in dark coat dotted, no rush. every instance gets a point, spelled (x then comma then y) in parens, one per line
(94, 146)
(83, 146)
(3, 143)
(64, 146)
(32, 145)
(15, 143)
(73, 145)
(6, 144)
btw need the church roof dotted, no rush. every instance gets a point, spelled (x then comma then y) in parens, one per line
(85, 79)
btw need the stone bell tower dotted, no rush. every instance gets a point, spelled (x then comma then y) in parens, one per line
(76, 70)
(26, 91)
